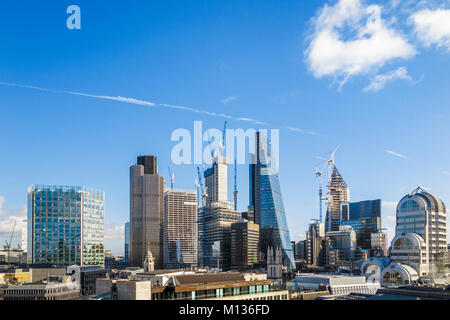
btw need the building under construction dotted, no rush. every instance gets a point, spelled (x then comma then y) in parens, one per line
(338, 193)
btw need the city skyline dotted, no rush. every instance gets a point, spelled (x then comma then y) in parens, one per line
(198, 57)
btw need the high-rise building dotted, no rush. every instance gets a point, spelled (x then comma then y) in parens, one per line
(314, 237)
(215, 234)
(146, 212)
(267, 203)
(365, 218)
(65, 225)
(421, 225)
(244, 244)
(340, 246)
(180, 229)
(127, 241)
(216, 181)
(338, 193)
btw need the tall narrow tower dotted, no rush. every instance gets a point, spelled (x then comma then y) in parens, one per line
(146, 211)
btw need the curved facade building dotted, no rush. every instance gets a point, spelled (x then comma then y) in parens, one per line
(424, 215)
(398, 274)
(266, 199)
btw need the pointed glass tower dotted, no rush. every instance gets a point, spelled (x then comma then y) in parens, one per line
(267, 203)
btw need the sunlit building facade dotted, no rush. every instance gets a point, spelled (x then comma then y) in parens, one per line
(267, 202)
(65, 225)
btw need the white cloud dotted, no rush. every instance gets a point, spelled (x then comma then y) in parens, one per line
(380, 81)
(148, 104)
(351, 38)
(389, 204)
(396, 154)
(447, 173)
(229, 99)
(114, 231)
(2, 200)
(7, 222)
(432, 27)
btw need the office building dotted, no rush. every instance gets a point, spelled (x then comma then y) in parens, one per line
(146, 212)
(422, 215)
(215, 234)
(365, 218)
(187, 285)
(244, 244)
(127, 241)
(299, 248)
(314, 237)
(340, 247)
(85, 277)
(180, 229)
(267, 203)
(216, 181)
(338, 193)
(65, 225)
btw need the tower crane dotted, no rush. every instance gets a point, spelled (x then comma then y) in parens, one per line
(7, 245)
(235, 193)
(224, 139)
(319, 174)
(202, 188)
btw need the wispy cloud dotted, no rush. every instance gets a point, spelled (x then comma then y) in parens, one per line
(229, 99)
(373, 42)
(153, 105)
(396, 154)
(380, 81)
(447, 173)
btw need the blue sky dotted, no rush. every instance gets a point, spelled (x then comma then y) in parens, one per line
(372, 76)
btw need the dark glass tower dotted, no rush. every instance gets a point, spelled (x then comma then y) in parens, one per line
(267, 203)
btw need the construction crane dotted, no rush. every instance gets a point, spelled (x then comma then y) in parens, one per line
(7, 245)
(235, 193)
(172, 178)
(224, 139)
(319, 174)
(202, 188)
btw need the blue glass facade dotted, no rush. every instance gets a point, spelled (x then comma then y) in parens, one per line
(269, 207)
(365, 218)
(65, 225)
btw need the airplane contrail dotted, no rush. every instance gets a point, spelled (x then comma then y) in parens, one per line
(152, 104)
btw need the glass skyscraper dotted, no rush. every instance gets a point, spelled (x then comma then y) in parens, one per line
(65, 225)
(267, 203)
(365, 218)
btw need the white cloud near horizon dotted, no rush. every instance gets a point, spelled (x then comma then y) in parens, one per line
(389, 204)
(350, 39)
(2, 201)
(7, 222)
(152, 104)
(114, 231)
(432, 27)
(380, 81)
(396, 154)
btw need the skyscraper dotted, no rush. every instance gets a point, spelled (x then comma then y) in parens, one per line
(215, 218)
(244, 244)
(338, 193)
(65, 225)
(314, 237)
(180, 229)
(267, 202)
(127, 241)
(146, 212)
(216, 181)
(365, 218)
